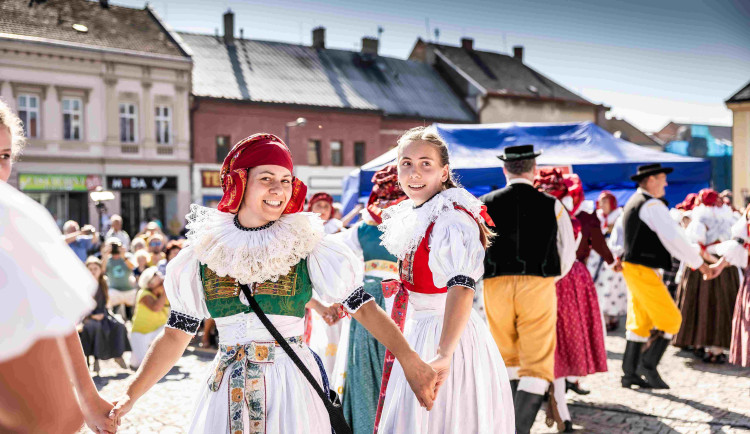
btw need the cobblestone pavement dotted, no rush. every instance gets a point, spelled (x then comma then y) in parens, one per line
(703, 398)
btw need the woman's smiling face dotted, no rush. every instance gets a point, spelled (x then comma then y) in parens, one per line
(420, 171)
(269, 188)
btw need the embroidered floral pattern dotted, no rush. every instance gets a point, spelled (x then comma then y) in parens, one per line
(180, 321)
(356, 300)
(462, 281)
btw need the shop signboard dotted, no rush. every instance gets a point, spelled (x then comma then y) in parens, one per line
(142, 183)
(43, 182)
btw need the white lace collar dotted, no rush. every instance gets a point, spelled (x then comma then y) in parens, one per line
(251, 256)
(404, 226)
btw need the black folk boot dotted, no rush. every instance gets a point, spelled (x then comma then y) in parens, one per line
(655, 348)
(526, 405)
(630, 365)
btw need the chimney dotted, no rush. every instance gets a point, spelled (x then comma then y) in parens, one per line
(229, 27)
(242, 33)
(370, 46)
(319, 37)
(518, 52)
(467, 44)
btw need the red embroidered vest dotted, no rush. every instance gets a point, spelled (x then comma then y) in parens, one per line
(414, 269)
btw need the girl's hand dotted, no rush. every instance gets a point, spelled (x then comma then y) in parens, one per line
(96, 414)
(121, 407)
(442, 366)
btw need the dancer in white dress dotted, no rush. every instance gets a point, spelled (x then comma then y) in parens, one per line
(439, 236)
(257, 237)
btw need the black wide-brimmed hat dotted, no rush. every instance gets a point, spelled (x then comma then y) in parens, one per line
(522, 152)
(650, 169)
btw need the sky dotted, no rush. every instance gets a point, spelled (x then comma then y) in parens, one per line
(651, 61)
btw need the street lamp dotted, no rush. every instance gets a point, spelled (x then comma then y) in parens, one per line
(300, 122)
(99, 196)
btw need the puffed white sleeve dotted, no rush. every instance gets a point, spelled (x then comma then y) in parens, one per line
(350, 237)
(734, 250)
(696, 232)
(456, 251)
(336, 274)
(184, 289)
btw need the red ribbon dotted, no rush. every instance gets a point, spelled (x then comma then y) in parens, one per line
(391, 287)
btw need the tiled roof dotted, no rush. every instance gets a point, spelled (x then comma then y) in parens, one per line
(503, 74)
(283, 73)
(115, 27)
(742, 95)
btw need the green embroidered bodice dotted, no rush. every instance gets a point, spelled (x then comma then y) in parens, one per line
(287, 296)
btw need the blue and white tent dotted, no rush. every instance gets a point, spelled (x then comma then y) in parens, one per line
(603, 161)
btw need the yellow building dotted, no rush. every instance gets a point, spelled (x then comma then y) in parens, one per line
(739, 103)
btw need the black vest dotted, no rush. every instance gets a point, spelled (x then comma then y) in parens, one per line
(526, 228)
(642, 245)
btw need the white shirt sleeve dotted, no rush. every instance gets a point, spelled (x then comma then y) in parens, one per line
(350, 237)
(336, 273)
(456, 251)
(184, 288)
(617, 239)
(566, 241)
(656, 216)
(734, 251)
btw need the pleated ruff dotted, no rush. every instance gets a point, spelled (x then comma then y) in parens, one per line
(739, 353)
(580, 342)
(292, 406)
(476, 396)
(707, 308)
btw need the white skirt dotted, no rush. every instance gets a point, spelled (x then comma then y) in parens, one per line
(476, 396)
(291, 404)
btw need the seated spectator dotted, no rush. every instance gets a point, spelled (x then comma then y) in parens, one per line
(119, 271)
(102, 336)
(155, 249)
(151, 313)
(116, 231)
(140, 257)
(80, 240)
(172, 249)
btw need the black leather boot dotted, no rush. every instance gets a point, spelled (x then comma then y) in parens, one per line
(514, 387)
(655, 348)
(576, 387)
(526, 405)
(630, 365)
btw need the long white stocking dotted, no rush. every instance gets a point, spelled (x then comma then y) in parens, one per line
(562, 405)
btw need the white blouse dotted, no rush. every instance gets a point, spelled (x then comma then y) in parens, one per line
(335, 271)
(46, 288)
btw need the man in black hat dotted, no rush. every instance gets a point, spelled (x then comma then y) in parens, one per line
(534, 246)
(651, 238)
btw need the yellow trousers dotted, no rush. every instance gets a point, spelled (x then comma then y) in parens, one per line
(649, 303)
(522, 315)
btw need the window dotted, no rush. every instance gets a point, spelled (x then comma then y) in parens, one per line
(72, 109)
(359, 153)
(222, 148)
(313, 152)
(163, 125)
(28, 111)
(337, 157)
(128, 123)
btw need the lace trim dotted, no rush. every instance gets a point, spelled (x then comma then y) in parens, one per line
(462, 281)
(184, 322)
(356, 300)
(260, 255)
(404, 226)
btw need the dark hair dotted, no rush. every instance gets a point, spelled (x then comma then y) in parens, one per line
(174, 244)
(519, 167)
(431, 136)
(103, 287)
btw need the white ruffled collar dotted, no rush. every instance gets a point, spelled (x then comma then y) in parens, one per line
(251, 256)
(404, 226)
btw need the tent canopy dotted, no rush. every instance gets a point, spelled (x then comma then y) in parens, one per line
(603, 161)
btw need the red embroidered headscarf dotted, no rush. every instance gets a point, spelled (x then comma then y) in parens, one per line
(607, 195)
(256, 150)
(691, 200)
(386, 192)
(552, 181)
(317, 197)
(709, 197)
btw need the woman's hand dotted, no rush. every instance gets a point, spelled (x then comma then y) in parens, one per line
(442, 367)
(422, 379)
(121, 407)
(331, 314)
(97, 316)
(96, 412)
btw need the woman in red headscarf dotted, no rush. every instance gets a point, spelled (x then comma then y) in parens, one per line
(610, 285)
(257, 237)
(580, 338)
(322, 204)
(707, 306)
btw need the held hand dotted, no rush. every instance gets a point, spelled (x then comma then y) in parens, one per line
(617, 267)
(121, 407)
(331, 314)
(422, 380)
(442, 366)
(96, 415)
(715, 269)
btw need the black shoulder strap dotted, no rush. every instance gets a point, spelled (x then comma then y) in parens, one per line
(335, 412)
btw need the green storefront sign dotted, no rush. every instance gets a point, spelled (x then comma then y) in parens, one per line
(34, 182)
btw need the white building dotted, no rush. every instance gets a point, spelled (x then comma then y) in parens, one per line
(103, 92)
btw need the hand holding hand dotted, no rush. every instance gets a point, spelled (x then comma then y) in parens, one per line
(331, 314)
(442, 366)
(617, 267)
(96, 415)
(422, 380)
(121, 407)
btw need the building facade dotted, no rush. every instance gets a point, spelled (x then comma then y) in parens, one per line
(103, 93)
(739, 103)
